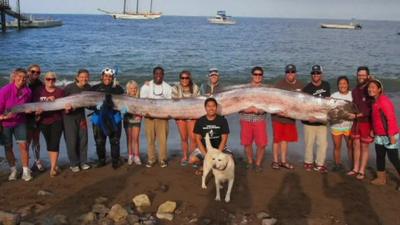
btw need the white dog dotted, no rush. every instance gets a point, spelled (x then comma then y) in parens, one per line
(222, 166)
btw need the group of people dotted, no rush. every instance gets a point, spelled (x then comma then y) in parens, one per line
(375, 121)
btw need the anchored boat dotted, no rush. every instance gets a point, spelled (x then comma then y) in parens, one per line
(351, 26)
(134, 15)
(222, 19)
(35, 23)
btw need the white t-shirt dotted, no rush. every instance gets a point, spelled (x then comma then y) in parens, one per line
(345, 125)
(154, 91)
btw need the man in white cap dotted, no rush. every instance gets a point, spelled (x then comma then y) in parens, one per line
(212, 86)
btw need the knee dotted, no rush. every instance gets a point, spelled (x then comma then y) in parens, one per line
(114, 141)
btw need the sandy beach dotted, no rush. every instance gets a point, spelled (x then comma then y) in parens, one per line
(292, 197)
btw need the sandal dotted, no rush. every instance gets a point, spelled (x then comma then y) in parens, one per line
(249, 165)
(286, 165)
(360, 176)
(184, 162)
(352, 173)
(275, 165)
(198, 172)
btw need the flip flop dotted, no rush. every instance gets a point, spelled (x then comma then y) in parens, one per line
(360, 176)
(286, 165)
(352, 173)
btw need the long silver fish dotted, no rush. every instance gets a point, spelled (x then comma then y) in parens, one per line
(295, 105)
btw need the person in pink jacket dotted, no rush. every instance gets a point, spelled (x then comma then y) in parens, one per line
(13, 94)
(386, 131)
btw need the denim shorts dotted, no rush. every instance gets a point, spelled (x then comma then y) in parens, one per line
(19, 132)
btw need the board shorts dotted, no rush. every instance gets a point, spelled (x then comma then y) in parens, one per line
(284, 132)
(253, 131)
(362, 131)
(341, 131)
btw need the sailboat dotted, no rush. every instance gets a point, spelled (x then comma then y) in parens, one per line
(126, 15)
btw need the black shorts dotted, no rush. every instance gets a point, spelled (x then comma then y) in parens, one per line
(52, 134)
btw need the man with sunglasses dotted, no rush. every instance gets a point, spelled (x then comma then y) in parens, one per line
(35, 84)
(108, 85)
(316, 132)
(156, 128)
(284, 128)
(254, 126)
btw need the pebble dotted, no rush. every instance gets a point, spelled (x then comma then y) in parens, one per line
(88, 218)
(44, 193)
(132, 219)
(117, 213)
(167, 207)
(165, 216)
(269, 221)
(60, 220)
(101, 200)
(262, 215)
(9, 218)
(100, 209)
(141, 202)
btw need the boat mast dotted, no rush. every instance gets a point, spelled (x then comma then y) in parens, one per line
(151, 5)
(124, 11)
(137, 6)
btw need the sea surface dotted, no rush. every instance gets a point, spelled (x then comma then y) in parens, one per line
(177, 43)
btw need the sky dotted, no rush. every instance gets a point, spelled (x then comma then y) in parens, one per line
(331, 9)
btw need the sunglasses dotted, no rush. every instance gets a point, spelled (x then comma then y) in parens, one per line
(35, 71)
(316, 73)
(291, 71)
(258, 74)
(51, 79)
(185, 78)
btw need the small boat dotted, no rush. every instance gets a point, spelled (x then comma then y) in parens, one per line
(351, 26)
(222, 19)
(35, 23)
(126, 15)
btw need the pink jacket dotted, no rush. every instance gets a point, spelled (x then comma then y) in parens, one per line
(385, 105)
(10, 96)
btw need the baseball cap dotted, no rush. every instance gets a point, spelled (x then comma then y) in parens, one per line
(290, 68)
(316, 68)
(213, 71)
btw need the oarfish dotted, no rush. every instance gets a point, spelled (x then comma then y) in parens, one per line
(296, 105)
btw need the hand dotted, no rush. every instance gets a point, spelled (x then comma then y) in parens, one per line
(98, 105)
(28, 111)
(352, 116)
(251, 109)
(124, 110)
(68, 107)
(283, 114)
(51, 98)
(359, 115)
(371, 133)
(38, 111)
(393, 140)
(6, 116)
(312, 119)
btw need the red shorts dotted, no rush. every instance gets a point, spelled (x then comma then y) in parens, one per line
(362, 131)
(253, 131)
(284, 132)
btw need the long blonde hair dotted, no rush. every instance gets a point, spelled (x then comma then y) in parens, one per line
(135, 84)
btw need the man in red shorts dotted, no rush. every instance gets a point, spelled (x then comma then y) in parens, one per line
(253, 126)
(361, 130)
(284, 128)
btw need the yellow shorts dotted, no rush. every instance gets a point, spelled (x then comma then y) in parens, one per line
(337, 132)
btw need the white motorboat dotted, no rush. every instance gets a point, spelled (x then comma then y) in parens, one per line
(222, 19)
(126, 15)
(351, 26)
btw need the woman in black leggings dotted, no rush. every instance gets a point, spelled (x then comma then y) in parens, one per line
(386, 131)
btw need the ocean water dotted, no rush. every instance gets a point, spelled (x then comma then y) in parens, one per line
(177, 43)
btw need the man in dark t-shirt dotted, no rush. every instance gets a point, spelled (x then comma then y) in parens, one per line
(213, 124)
(316, 132)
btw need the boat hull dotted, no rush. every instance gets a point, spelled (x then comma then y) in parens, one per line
(221, 22)
(144, 16)
(341, 26)
(35, 24)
